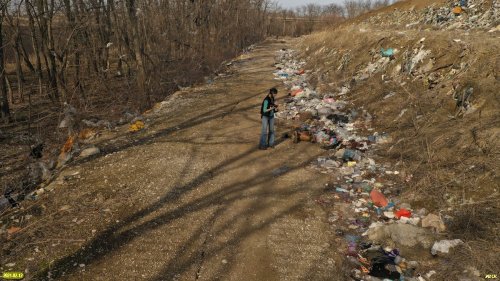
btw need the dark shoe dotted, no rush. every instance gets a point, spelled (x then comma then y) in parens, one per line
(262, 148)
(271, 147)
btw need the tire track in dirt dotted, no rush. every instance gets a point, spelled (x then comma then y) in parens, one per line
(205, 237)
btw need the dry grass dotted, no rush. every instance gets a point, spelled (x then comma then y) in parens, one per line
(452, 158)
(478, 225)
(478, 221)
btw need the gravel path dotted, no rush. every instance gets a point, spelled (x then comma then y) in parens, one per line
(191, 197)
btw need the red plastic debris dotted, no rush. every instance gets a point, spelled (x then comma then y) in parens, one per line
(378, 198)
(402, 213)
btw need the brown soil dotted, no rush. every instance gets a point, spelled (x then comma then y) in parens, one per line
(189, 198)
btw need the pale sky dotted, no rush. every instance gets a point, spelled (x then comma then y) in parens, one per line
(295, 3)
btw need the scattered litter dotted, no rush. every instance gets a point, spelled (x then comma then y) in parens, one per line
(402, 213)
(452, 14)
(338, 189)
(137, 126)
(457, 10)
(363, 196)
(389, 53)
(444, 246)
(378, 198)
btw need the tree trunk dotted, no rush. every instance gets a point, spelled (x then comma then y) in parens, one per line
(71, 15)
(47, 45)
(19, 69)
(26, 58)
(51, 50)
(4, 100)
(106, 33)
(36, 46)
(139, 54)
(9, 88)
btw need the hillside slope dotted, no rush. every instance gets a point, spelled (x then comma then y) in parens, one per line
(393, 152)
(437, 97)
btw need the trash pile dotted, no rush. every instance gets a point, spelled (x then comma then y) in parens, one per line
(472, 14)
(326, 119)
(418, 61)
(379, 232)
(362, 202)
(466, 15)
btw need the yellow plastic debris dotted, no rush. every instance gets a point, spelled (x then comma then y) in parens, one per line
(457, 10)
(351, 164)
(136, 127)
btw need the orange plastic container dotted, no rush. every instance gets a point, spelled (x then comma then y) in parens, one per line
(378, 198)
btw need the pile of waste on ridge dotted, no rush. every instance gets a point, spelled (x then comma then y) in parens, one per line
(472, 14)
(378, 230)
(323, 118)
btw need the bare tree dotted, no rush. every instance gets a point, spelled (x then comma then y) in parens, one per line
(351, 7)
(380, 3)
(86, 47)
(16, 43)
(334, 10)
(4, 101)
(366, 6)
(31, 14)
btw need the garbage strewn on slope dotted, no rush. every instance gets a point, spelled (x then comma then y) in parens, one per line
(472, 14)
(365, 210)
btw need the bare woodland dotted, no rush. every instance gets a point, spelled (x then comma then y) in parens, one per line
(104, 59)
(74, 51)
(62, 49)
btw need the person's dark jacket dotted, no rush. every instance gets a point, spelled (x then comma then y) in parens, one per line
(267, 103)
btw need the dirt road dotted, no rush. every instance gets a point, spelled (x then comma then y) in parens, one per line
(189, 198)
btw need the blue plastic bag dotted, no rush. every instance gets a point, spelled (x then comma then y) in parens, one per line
(387, 53)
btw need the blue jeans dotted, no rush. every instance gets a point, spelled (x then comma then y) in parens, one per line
(267, 124)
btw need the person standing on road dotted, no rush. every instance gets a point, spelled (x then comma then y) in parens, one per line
(267, 110)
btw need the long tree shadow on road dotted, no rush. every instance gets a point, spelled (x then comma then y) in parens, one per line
(125, 231)
(119, 234)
